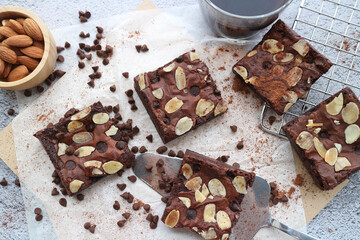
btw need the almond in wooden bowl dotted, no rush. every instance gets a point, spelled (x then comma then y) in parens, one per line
(27, 49)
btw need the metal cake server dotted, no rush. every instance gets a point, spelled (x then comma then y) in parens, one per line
(254, 208)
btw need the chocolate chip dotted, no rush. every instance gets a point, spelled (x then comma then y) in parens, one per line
(63, 202)
(116, 205)
(95, 68)
(99, 36)
(67, 45)
(17, 182)
(121, 223)
(3, 182)
(284, 198)
(109, 108)
(87, 48)
(109, 49)
(101, 147)
(40, 89)
(81, 46)
(82, 35)
(134, 149)
(272, 119)
(56, 180)
(37, 210)
(149, 138)
(161, 149)
(38, 217)
(120, 172)
(129, 92)
(80, 197)
(116, 108)
(70, 150)
(54, 192)
(125, 74)
(180, 154)
(59, 49)
(156, 104)
(240, 145)
(63, 192)
(126, 215)
(11, 111)
(105, 61)
(136, 130)
(136, 206)
(171, 153)
(59, 73)
(87, 14)
(142, 149)
(121, 145)
(54, 174)
(190, 214)
(236, 165)
(153, 225)
(87, 225)
(132, 178)
(27, 93)
(113, 88)
(92, 228)
(90, 127)
(146, 207)
(98, 75)
(194, 90)
(144, 48)
(164, 199)
(88, 56)
(138, 48)
(121, 186)
(233, 128)
(99, 29)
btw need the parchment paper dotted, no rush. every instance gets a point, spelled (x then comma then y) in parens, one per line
(269, 156)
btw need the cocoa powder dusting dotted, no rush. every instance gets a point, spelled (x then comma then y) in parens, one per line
(299, 180)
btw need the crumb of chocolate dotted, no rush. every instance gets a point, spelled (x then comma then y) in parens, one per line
(11, 111)
(121, 186)
(142, 149)
(37, 210)
(233, 128)
(134, 149)
(116, 205)
(63, 202)
(180, 154)
(80, 196)
(3, 182)
(299, 180)
(161, 149)
(125, 74)
(272, 119)
(132, 178)
(240, 145)
(150, 138)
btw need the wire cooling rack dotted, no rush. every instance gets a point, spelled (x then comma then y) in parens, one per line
(333, 28)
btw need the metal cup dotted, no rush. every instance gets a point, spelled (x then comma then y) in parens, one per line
(230, 25)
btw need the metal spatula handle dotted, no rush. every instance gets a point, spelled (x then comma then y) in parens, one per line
(292, 232)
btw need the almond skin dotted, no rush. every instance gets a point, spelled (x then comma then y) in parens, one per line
(18, 73)
(30, 63)
(32, 29)
(16, 26)
(7, 55)
(6, 71)
(20, 20)
(38, 44)
(33, 52)
(7, 32)
(19, 41)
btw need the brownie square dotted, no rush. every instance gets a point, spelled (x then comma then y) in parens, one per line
(179, 96)
(206, 196)
(84, 146)
(327, 138)
(282, 67)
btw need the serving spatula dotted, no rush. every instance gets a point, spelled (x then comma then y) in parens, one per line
(254, 208)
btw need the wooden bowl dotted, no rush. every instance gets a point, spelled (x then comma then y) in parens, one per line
(47, 63)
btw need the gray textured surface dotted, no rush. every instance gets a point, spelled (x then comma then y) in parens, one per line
(342, 215)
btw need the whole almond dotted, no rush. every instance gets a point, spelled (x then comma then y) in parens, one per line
(7, 70)
(7, 32)
(32, 29)
(20, 20)
(16, 26)
(18, 73)
(30, 63)
(2, 67)
(7, 55)
(19, 41)
(38, 44)
(32, 51)
(5, 22)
